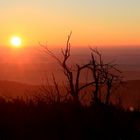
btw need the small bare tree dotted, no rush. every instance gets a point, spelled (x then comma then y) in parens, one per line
(73, 85)
(104, 75)
(113, 80)
(96, 67)
(50, 94)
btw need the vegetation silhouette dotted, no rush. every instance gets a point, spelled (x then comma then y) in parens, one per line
(103, 76)
(56, 114)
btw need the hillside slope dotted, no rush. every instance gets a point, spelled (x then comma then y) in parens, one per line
(129, 94)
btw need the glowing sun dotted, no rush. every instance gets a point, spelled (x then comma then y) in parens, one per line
(16, 41)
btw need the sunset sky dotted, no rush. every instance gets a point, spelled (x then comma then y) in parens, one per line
(93, 22)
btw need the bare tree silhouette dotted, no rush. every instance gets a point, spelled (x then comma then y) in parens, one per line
(102, 74)
(73, 86)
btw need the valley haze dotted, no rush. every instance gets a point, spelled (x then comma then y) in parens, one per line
(33, 66)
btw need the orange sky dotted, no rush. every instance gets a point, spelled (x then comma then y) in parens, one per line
(93, 22)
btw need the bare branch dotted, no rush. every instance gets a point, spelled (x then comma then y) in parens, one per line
(86, 85)
(56, 87)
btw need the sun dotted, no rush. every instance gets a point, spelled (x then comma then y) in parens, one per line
(16, 41)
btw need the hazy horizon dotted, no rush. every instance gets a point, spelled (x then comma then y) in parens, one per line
(33, 65)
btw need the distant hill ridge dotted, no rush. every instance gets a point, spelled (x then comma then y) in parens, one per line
(130, 93)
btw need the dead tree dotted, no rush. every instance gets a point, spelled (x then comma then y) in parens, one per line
(104, 75)
(73, 81)
(113, 79)
(96, 68)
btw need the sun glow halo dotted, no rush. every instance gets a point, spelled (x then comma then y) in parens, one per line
(16, 41)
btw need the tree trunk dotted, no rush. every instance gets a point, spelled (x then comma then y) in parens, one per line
(96, 99)
(108, 95)
(76, 99)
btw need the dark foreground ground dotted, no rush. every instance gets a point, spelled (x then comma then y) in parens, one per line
(21, 120)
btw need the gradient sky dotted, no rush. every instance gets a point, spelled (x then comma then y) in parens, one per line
(93, 22)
